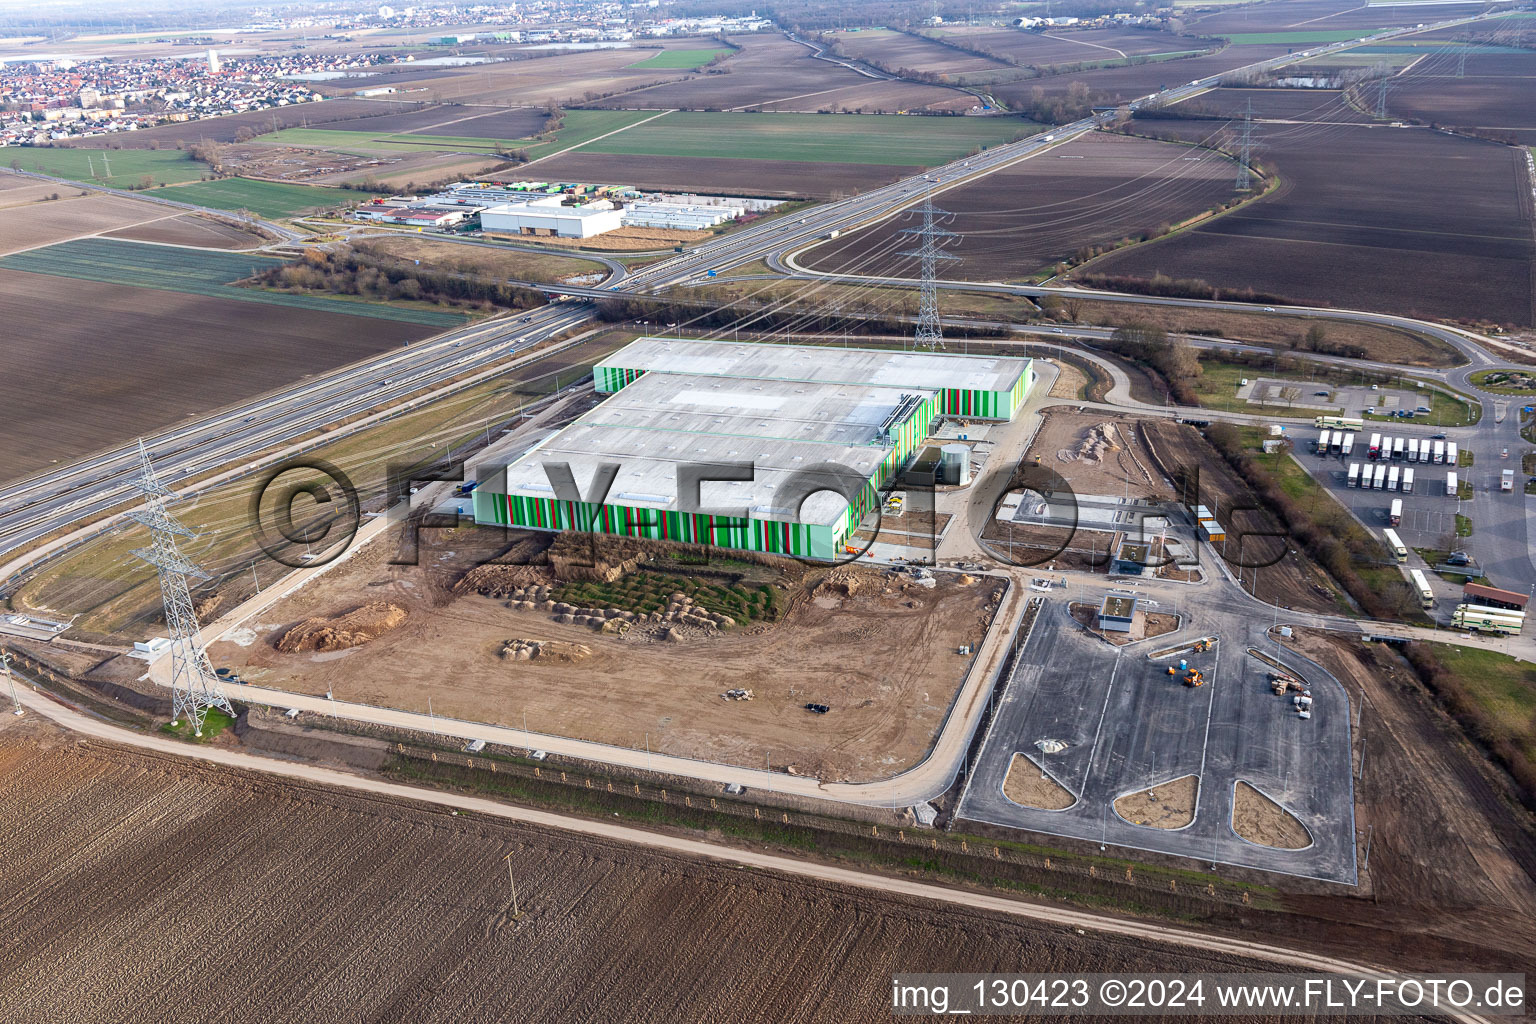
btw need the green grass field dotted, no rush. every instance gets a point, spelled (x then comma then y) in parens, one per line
(681, 60)
(194, 272)
(889, 139)
(583, 126)
(127, 166)
(579, 126)
(1303, 38)
(263, 198)
(1219, 381)
(364, 144)
(1501, 686)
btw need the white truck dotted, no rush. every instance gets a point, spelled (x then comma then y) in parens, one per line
(1507, 480)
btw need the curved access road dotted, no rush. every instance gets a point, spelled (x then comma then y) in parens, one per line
(1289, 959)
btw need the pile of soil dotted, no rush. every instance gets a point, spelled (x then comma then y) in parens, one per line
(502, 580)
(355, 628)
(519, 649)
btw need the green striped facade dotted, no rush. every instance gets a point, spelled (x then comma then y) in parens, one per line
(803, 539)
(608, 379)
(807, 540)
(988, 405)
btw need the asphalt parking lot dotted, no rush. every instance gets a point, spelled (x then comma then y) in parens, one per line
(1128, 726)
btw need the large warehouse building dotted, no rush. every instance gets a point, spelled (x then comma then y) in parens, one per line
(791, 412)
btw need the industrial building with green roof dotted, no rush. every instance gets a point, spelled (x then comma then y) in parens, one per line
(822, 430)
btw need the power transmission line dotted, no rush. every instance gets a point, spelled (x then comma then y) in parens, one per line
(930, 333)
(194, 686)
(1244, 172)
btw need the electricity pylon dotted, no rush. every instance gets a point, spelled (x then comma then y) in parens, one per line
(930, 334)
(194, 686)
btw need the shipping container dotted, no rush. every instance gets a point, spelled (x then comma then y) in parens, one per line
(1399, 447)
(1323, 441)
(1439, 452)
(1450, 453)
(1374, 451)
(1408, 480)
(1392, 474)
(1379, 478)
(1413, 449)
(1450, 485)
(1348, 445)
(1395, 513)
(1354, 474)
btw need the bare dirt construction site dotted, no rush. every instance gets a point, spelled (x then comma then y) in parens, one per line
(1452, 852)
(1120, 465)
(319, 904)
(879, 652)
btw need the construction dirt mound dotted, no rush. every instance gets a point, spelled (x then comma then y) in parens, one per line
(519, 649)
(502, 580)
(1100, 439)
(355, 628)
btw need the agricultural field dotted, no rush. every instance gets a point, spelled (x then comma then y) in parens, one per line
(565, 78)
(814, 639)
(125, 168)
(485, 260)
(167, 137)
(1285, 17)
(152, 357)
(886, 139)
(1039, 49)
(815, 156)
(1445, 231)
(191, 229)
(1308, 106)
(111, 596)
(193, 272)
(1496, 99)
(578, 126)
(1120, 84)
(270, 199)
(680, 59)
(773, 72)
(893, 51)
(1026, 217)
(39, 220)
(314, 903)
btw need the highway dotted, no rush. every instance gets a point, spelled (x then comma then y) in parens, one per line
(51, 501)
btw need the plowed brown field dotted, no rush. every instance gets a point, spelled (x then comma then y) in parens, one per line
(1023, 218)
(1443, 229)
(140, 888)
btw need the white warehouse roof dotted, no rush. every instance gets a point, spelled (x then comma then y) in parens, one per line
(858, 366)
(662, 421)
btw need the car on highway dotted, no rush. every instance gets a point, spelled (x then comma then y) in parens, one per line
(1319, 394)
(1057, 330)
(1269, 309)
(1504, 453)
(1437, 437)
